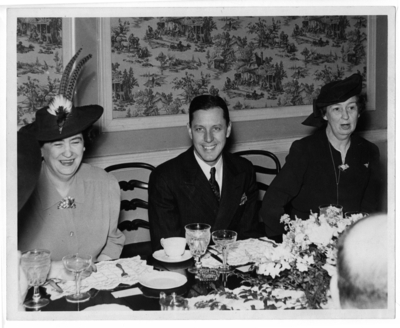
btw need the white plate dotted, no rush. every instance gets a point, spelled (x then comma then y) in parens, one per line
(107, 307)
(161, 256)
(162, 280)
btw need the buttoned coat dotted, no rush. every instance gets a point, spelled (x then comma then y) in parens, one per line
(90, 227)
(311, 177)
(180, 193)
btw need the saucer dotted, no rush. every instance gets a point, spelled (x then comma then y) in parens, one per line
(162, 280)
(161, 256)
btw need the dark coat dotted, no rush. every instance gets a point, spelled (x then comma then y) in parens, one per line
(179, 194)
(308, 180)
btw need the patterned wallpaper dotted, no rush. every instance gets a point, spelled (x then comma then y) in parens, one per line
(39, 64)
(160, 64)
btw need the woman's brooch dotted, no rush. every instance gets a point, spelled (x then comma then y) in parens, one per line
(67, 202)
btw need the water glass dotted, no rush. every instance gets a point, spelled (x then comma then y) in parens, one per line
(355, 215)
(36, 266)
(197, 237)
(331, 210)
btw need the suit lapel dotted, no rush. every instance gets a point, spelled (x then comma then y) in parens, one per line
(195, 183)
(232, 191)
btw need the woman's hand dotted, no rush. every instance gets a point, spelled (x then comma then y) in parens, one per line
(89, 271)
(58, 271)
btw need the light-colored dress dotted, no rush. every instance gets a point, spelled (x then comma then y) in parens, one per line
(90, 227)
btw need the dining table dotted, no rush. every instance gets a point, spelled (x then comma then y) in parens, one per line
(147, 299)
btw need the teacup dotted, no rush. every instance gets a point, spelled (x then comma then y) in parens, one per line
(174, 247)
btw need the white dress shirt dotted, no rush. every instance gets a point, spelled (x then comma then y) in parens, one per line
(207, 168)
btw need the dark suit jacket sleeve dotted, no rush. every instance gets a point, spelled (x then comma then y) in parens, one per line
(283, 188)
(370, 200)
(164, 218)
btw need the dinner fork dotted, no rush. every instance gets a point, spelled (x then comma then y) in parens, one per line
(123, 274)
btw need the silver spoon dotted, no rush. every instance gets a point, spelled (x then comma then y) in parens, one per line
(123, 274)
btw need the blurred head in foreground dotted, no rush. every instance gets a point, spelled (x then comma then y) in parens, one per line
(363, 265)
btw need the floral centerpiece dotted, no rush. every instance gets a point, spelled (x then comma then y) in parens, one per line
(306, 258)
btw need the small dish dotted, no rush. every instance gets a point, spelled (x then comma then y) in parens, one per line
(107, 307)
(161, 256)
(162, 280)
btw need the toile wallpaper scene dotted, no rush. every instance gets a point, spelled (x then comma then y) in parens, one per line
(39, 64)
(159, 65)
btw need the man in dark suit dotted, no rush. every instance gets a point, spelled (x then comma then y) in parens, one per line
(187, 189)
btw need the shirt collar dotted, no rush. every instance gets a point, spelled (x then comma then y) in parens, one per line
(48, 194)
(207, 168)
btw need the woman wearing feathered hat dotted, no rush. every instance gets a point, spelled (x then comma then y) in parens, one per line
(332, 166)
(75, 206)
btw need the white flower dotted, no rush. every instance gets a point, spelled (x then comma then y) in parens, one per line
(270, 269)
(304, 262)
(285, 218)
(341, 226)
(299, 238)
(331, 255)
(301, 266)
(321, 235)
(330, 269)
(57, 102)
(281, 253)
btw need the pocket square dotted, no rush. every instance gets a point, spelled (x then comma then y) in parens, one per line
(366, 165)
(243, 199)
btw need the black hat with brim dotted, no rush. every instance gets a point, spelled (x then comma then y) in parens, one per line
(45, 127)
(29, 162)
(333, 93)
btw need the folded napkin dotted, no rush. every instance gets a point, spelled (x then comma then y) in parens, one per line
(207, 261)
(108, 276)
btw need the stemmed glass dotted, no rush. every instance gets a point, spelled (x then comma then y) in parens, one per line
(36, 265)
(77, 263)
(197, 237)
(358, 214)
(331, 210)
(223, 238)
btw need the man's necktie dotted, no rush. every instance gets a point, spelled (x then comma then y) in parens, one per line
(214, 184)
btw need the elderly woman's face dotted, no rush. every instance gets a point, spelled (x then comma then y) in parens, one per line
(63, 157)
(342, 117)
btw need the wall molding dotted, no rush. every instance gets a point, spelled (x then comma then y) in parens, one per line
(275, 146)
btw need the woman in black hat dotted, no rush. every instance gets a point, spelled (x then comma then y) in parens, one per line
(75, 206)
(332, 166)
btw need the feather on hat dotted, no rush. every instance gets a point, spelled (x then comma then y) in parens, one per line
(61, 119)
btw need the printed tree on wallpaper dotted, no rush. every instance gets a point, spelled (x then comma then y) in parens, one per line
(39, 64)
(252, 62)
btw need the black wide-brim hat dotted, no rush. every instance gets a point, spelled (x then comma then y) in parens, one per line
(333, 93)
(29, 162)
(46, 128)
